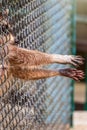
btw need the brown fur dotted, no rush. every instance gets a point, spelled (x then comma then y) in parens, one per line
(35, 74)
(19, 56)
(25, 64)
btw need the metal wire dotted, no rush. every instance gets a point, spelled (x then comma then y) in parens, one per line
(45, 104)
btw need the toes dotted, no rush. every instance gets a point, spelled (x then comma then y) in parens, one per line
(79, 57)
(77, 60)
(78, 75)
(74, 64)
(73, 73)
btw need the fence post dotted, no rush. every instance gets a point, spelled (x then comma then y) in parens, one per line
(73, 52)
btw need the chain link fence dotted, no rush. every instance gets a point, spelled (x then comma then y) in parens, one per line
(44, 104)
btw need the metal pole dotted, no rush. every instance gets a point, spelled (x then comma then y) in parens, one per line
(73, 52)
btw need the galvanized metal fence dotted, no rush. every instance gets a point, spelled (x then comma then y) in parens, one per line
(45, 104)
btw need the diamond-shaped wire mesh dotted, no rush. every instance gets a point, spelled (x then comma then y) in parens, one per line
(44, 104)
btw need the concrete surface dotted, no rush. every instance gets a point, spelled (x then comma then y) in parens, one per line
(80, 120)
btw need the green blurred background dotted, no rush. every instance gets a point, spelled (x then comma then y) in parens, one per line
(80, 93)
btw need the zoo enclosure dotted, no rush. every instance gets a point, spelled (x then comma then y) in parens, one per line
(46, 25)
